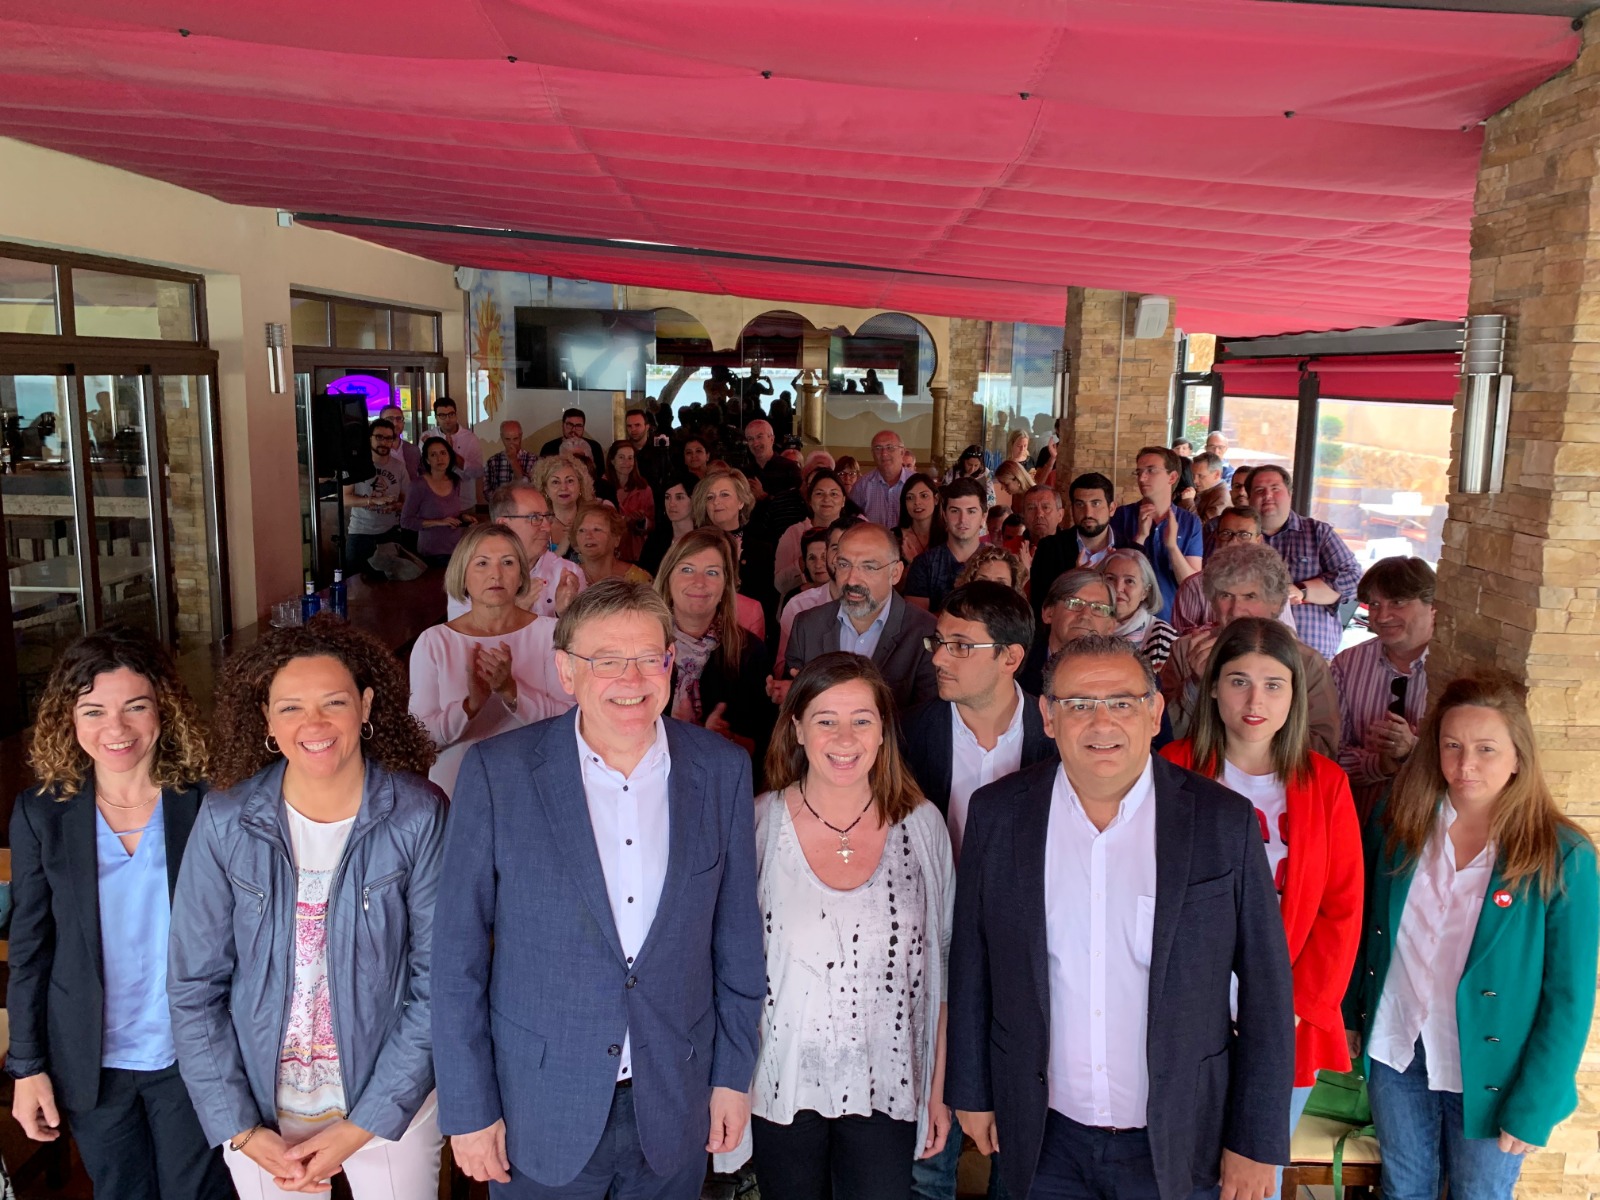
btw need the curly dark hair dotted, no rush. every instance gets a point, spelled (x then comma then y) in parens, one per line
(239, 726)
(53, 752)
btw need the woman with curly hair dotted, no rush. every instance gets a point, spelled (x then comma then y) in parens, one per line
(95, 848)
(568, 486)
(302, 923)
(997, 564)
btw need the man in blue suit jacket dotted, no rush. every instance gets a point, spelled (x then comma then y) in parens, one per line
(598, 962)
(1104, 907)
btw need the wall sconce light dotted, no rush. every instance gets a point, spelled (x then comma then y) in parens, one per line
(1061, 377)
(1486, 413)
(275, 358)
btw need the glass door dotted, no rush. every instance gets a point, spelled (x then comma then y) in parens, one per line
(121, 451)
(41, 521)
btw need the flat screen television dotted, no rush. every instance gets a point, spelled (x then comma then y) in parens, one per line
(581, 349)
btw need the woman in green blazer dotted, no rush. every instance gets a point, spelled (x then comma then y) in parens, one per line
(1476, 983)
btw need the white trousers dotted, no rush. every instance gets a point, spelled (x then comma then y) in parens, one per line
(380, 1170)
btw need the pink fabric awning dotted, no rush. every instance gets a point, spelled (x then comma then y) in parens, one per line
(1434, 377)
(1151, 151)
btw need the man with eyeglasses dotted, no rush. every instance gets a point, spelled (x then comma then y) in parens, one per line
(407, 452)
(935, 570)
(1247, 579)
(1106, 906)
(869, 618)
(374, 504)
(1078, 604)
(1235, 527)
(1085, 543)
(1168, 535)
(814, 597)
(982, 728)
(598, 953)
(877, 493)
(573, 427)
(556, 580)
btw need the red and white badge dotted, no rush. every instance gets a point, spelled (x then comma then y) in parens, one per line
(1503, 899)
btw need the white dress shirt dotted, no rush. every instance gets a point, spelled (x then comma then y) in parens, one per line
(629, 816)
(1100, 903)
(971, 766)
(863, 643)
(1430, 952)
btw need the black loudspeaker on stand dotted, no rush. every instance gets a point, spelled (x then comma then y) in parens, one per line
(341, 454)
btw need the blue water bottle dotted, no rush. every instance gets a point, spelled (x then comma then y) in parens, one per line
(339, 596)
(310, 603)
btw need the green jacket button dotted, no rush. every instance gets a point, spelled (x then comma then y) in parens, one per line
(1491, 1088)
(1490, 995)
(1491, 1039)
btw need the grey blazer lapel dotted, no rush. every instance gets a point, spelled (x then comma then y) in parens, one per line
(830, 635)
(893, 629)
(558, 779)
(1174, 848)
(686, 803)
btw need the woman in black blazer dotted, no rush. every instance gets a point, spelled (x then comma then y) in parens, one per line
(95, 849)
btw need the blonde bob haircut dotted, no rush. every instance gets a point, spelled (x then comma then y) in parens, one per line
(895, 794)
(455, 574)
(697, 541)
(741, 488)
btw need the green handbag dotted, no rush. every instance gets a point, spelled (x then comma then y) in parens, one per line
(1342, 1096)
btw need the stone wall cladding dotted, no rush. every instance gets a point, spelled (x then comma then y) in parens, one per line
(1519, 574)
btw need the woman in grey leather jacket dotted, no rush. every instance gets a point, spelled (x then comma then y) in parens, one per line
(302, 922)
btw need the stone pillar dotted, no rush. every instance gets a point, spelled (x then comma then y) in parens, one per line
(1520, 571)
(1118, 391)
(958, 423)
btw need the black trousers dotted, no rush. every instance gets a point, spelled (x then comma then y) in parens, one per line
(142, 1141)
(834, 1158)
(1082, 1162)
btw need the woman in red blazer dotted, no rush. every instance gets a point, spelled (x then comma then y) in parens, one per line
(1251, 734)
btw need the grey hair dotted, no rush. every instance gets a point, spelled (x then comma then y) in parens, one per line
(1044, 489)
(504, 498)
(609, 598)
(1100, 645)
(1068, 584)
(1153, 599)
(1243, 561)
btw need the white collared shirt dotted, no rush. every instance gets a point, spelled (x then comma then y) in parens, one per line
(1430, 952)
(629, 816)
(971, 766)
(1100, 903)
(863, 643)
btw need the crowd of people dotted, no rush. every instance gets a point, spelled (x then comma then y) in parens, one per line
(751, 805)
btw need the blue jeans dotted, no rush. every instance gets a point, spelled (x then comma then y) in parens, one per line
(1297, 1108)
(1080, 1162)
(935, 1178)
(1423, 1137)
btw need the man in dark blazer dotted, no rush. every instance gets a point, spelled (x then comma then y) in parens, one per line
(981, 716)
(598, 962)
(1104, 907)
(869, 618)
(982, 728)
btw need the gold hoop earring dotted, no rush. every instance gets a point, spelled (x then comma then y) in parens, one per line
(271, 744)
(367, 731)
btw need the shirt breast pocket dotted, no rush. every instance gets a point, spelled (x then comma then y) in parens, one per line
(1144, 930)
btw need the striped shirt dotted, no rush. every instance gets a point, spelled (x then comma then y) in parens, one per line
(1364, 676)
(1312, 550)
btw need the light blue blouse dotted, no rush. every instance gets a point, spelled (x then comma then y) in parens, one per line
(135, 916)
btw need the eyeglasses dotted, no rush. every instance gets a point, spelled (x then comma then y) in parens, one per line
(536, 518)
(616, 668)
(1076, 604)
(1236, 535)
(1081, 708)
(844, 566)
(957, 649)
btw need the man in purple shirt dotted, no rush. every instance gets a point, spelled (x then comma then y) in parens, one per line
(878, 493)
